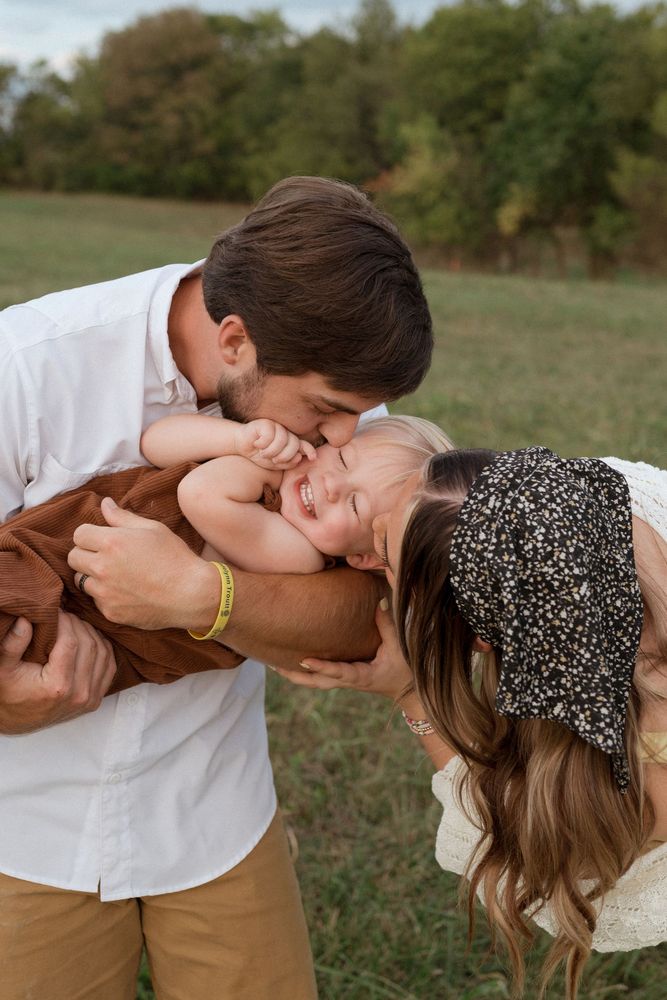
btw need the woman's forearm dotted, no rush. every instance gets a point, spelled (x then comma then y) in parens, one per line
(439, 751)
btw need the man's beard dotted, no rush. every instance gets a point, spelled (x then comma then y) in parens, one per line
(239, 398)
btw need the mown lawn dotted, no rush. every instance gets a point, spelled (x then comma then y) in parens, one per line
(575, 366)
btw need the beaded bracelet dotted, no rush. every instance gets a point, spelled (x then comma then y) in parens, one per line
(421, 727)
(226, 601)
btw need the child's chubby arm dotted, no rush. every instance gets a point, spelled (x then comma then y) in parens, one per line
(193, 437)
(219, 500)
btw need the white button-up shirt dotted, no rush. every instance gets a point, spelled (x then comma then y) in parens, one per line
(165, 786)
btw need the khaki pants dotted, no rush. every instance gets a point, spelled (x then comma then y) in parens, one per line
(240, 937)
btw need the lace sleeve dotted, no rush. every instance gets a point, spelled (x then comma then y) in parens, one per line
(632, 915)
(648, 491)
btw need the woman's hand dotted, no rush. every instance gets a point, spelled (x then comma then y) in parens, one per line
(387, 674)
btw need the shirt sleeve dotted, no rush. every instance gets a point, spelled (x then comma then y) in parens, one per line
(15, 436)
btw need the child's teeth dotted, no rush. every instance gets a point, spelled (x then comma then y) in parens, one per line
(307, 498)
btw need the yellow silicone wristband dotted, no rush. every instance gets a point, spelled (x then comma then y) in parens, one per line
(226, 601)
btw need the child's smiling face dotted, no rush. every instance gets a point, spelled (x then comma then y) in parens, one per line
(334, 500)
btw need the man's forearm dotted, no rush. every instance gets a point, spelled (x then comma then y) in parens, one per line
(139, 573)
(280, 619)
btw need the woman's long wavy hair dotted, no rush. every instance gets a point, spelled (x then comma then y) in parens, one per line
(554, 827)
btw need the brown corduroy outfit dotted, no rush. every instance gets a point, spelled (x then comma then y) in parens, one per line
(35, 579)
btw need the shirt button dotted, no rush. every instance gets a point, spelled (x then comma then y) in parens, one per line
(132, 698)
(115, 778)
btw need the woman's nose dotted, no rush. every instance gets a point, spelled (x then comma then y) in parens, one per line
(378, 523)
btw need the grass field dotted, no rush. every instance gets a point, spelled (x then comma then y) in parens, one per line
(578, 367)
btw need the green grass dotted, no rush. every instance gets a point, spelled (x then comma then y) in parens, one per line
(576, 366)
(51, 241)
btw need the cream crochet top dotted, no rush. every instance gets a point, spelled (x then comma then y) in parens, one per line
(634, 913)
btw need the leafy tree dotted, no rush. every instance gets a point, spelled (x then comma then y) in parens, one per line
(581, 96)
(460, 65)
(158, 105)
(640, 182)
(8, 77)
(341, 117)
(437, 193)
(458, 70)
(42, 129)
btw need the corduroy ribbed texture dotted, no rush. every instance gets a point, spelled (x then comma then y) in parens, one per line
(35, 579)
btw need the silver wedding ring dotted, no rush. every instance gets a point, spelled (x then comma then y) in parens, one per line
(82, 583)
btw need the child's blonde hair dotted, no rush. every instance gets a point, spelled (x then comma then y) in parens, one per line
(409, 442)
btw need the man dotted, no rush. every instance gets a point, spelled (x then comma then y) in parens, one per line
(154, 818)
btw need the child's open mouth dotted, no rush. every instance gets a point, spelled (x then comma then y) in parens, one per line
(306, 495)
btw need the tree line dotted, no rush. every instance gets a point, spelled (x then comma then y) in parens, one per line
(492, 125)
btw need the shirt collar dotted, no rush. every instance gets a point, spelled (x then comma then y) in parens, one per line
(174, 381)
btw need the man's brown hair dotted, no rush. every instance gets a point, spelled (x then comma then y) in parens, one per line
(324, 283)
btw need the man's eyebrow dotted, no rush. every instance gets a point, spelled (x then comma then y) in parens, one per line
(336, 404)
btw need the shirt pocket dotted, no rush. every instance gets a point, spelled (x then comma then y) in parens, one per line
(52, 479)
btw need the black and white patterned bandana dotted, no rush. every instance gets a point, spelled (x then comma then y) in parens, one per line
(542, 567)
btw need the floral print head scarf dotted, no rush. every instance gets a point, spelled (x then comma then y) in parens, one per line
(542, 567)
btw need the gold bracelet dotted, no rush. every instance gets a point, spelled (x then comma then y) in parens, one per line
(226, 601)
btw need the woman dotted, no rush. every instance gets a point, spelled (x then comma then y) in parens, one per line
(531, 602)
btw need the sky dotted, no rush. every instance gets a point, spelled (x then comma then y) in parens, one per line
(55, 31)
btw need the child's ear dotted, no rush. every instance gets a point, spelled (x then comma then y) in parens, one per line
(367, 560)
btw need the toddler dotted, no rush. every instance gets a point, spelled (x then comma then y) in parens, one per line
(329, 497)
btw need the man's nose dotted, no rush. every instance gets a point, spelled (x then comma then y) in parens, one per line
(339, 427)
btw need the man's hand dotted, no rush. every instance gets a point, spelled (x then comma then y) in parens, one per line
(386, 674)
(140, 573)
(76, 677)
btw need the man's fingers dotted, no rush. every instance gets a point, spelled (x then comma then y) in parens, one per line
(81, 664)
(90, 588)
(118, 517)
(108, 673)
(74, 679)
(82, 560)
(59, 670)
(89, 537)
(15, 642)
(94, 537)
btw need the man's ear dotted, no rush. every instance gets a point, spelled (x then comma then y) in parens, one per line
(369, 560)
(234, 343)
